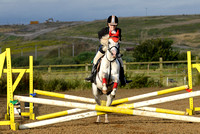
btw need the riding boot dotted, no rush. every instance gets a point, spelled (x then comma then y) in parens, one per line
(122, 77)
(93, 74)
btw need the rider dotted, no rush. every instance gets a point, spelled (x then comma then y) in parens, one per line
(104, 34)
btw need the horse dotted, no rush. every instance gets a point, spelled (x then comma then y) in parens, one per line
(107, 78)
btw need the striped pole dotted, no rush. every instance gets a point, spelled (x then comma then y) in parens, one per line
(160, 100)
(111, 109)
(115, 102)
(60, 119)
(161, 110)
(57, 114)
(165, 91)
(94, 113)
(64, 96)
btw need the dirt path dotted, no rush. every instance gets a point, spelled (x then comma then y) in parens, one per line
(119, 124)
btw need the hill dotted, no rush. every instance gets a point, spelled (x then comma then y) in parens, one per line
(182, 29)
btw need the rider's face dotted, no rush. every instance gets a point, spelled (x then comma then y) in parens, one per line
(112, 27)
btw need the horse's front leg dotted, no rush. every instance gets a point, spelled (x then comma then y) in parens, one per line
(96, 94)
(108, 103)
(104, 84)
(110, 97)
(115, 85)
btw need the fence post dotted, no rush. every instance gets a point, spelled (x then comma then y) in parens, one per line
(124, 66)
(167, 81)
(161, 70)
(197, 59)
(49, 69)
(58, 52)
(21, 52)
(86, 67)
(35, 52)
(148, 69)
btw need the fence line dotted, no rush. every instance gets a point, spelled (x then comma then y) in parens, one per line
(160, 71)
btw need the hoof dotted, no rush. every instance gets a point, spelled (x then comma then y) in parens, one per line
(97, 122)
(106, 122)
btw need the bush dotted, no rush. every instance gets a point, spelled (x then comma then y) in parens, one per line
(153, 49)
(140, 81)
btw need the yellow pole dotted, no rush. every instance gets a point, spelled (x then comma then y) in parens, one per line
(10, 107)
(32, 115)
(2, 59)
(190, 81)
(53, 115)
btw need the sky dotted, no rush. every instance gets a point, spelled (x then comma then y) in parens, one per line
(24, 11)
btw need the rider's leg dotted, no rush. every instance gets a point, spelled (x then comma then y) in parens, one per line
(98, 55)
(122, 77)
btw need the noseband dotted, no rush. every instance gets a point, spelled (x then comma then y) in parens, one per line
(109, 50)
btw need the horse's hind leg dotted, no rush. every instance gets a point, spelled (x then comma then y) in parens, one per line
(96, 94)
(108, 103)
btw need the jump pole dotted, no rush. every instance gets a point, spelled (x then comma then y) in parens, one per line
(165, 91)
(64, 96)
(85, 106)
(115, 102)
(160, 100)
(71, 111)
(94, 113)
(60, 119)
(90, 114)
(111, 109)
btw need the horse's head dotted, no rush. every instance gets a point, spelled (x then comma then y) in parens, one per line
(113, 45)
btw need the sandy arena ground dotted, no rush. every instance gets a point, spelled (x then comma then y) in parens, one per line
(119, 123)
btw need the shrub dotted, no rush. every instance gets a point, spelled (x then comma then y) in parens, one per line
(140, 81)
(153, 49)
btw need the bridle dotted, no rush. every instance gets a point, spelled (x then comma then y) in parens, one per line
(109, 50)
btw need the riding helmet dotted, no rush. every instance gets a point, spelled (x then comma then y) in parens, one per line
(112, 20)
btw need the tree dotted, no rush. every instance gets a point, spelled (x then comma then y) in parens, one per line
(153, 49)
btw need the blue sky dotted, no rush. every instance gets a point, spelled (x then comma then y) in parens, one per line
(23, 11)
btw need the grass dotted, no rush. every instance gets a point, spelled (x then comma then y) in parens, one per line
(134, 29)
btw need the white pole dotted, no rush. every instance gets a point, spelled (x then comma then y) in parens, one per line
(160, 100)
(94, 113)
(58, 120)
(92, 107)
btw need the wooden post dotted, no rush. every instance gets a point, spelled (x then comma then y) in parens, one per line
(72, 50)
(124, 66)
(21, 52)
(86, 67)
(58, 52)
(161, 70)
(49, 69)
(148, 69)
(35, 52)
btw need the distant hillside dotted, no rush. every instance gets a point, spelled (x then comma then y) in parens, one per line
(183, 29)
